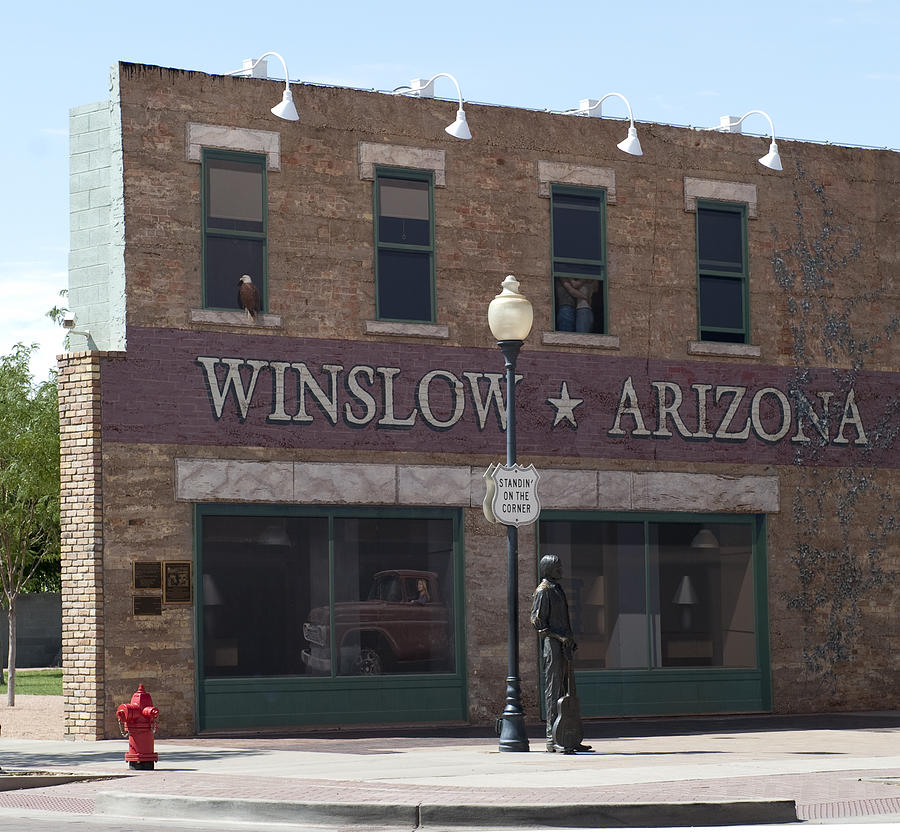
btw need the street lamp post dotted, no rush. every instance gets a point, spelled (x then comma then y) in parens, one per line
(510, 317)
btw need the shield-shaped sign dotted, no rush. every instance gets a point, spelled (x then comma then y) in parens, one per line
(515, 501)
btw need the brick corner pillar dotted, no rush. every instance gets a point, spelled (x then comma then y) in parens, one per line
(81, 543)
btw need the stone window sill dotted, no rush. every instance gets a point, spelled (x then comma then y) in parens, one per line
(718, 349)
(580, 339)
(407, 330)
(235, 317)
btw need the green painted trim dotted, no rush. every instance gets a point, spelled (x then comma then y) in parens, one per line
(599, 194)
(761, 589)
(207, 154)
(385, 172)
(199, 660)
(743, 276)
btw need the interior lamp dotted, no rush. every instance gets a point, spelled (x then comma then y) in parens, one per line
(285, 108)
(705, 539)
(425, 89)
(771, 160)
(630, 144)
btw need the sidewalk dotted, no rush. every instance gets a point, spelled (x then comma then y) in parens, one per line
(643, 773)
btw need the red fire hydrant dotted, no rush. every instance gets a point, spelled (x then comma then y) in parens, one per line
(140, 720)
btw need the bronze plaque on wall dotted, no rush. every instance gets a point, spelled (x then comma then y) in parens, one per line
(147, 604)
(147, 574)
(178, 582)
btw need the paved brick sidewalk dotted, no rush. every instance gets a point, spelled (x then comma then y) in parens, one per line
(832, 768)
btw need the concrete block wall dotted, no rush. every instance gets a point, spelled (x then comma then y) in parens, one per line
(97, 233)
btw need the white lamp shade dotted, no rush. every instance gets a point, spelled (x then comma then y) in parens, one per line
(460, 128)
(510, 315)
(630, 143)
(705, 539)
(685, 593)
(772, 160)
(286, 108)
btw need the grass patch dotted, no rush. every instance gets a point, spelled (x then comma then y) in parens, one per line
(35, 682)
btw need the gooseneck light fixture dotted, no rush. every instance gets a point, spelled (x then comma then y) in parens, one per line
(510, 317)
(630, 143)
(285, 108)
(728, 124)
(425, 89)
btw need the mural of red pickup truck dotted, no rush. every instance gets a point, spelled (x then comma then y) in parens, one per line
(401, 627)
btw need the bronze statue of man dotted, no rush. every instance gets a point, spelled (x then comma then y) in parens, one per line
(550, 617)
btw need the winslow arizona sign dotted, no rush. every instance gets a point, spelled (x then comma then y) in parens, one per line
(212, 388)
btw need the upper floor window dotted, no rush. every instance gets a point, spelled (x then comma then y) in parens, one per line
(722, 272)
(404, 241)
(578, 235)
(234, 226)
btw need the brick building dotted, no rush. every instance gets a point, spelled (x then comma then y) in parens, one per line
(715, 422)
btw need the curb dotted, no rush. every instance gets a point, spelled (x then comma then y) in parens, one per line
(415, 816)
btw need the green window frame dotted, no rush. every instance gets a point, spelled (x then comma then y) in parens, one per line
(654, 685)
(235, 226)
(578, 252)
(722, 272)
(404, 245)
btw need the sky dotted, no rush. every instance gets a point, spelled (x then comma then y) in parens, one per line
(825, 71)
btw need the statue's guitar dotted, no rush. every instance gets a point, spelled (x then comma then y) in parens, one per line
(568, 731)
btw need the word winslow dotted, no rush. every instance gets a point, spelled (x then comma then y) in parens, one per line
(363, 395)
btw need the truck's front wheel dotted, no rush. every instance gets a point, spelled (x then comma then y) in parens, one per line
(368, 663)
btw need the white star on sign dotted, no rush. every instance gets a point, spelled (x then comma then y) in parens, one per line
(565, 406)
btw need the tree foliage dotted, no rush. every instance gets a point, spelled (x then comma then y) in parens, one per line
(29, 482)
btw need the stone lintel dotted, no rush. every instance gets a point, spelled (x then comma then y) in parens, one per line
(401, 156)
(721, 191)
(568, 173)
(233, 138)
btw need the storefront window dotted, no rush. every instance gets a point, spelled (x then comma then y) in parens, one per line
(267, 605)
(261, 577)
(649, 594)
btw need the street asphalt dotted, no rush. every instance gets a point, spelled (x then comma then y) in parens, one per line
(642, 773)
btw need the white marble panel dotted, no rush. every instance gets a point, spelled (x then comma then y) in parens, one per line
(345, 483)
(233, 480)
(667, 491)
(562, 489)
(615, 490)
(433, 485)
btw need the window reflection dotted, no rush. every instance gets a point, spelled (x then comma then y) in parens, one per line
(645, 595)
(393, 596)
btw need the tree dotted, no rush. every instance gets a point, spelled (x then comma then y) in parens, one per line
(29, 483)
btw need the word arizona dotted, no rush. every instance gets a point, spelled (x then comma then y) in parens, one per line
(294, 388)
(728, 413)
